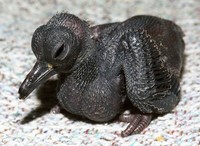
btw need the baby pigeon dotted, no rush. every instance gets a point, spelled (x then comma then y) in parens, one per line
(100, 68)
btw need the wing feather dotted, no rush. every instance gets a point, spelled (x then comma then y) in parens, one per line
(150, 83)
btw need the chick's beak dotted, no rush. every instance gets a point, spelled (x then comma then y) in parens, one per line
(38, 75)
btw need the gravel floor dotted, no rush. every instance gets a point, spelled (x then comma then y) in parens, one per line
(30, 122)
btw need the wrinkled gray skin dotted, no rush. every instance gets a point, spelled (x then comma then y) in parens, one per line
(100, 67)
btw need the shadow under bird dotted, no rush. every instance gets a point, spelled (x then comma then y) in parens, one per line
(99, 68)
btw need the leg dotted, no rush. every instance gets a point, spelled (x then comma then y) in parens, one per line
(137, 123)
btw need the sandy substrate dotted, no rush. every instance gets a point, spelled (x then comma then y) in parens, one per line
(30, 122)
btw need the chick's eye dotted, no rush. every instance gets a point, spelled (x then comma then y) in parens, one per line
(61, 52)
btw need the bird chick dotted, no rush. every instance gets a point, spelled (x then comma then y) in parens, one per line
(138, 61)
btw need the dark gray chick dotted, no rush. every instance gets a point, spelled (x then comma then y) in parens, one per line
(138, 60)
